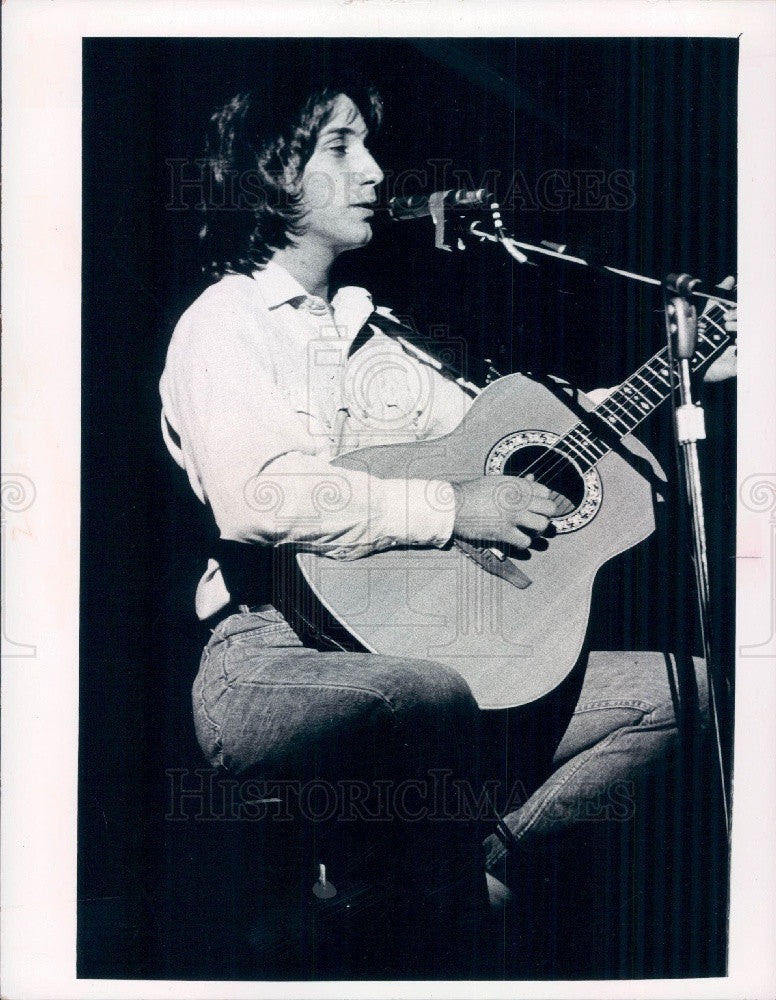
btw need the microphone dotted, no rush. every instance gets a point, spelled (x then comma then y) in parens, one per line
(417, 206)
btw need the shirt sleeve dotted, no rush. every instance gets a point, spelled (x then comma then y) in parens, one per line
(249, 456)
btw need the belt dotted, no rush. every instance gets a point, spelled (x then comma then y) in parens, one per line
(234, 608)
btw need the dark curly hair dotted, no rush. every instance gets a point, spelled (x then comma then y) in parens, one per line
(256, 149)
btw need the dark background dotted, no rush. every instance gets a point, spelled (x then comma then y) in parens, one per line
(661, 108)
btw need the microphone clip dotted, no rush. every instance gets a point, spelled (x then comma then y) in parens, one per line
(436, 209)
(681, 315)
(444, 208)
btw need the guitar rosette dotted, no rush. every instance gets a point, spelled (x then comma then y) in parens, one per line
(533, 452)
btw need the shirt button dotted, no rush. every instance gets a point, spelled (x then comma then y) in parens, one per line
(316, 306)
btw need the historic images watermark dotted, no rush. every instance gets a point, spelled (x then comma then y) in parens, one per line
(387, 389)
(17, 495)
(389, 392)
(758, 494)
(206, 794)
(191, 185)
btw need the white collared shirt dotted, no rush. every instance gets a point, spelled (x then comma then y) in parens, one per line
(258, 395)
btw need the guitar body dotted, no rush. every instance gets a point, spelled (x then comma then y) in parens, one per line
(512, 644)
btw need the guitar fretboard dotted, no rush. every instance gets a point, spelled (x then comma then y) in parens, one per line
(630, 403)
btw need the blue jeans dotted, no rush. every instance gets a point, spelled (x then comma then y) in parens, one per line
(406, 738)
(383, 739)
(581, 755)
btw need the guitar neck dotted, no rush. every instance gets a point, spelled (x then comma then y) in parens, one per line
(633, 401)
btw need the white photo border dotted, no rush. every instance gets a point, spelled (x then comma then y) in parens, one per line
(41, 298)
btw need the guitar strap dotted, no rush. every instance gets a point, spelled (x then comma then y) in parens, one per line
(364, 335)
(406, 337)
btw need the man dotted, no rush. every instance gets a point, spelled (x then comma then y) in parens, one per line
(254, 416)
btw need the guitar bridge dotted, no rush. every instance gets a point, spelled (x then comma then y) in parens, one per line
(495, 564)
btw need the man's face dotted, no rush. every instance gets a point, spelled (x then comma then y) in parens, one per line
(338, 183)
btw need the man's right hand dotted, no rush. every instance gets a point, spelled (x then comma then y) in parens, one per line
(506, 509)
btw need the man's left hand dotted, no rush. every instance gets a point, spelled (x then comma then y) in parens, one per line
(726, 364)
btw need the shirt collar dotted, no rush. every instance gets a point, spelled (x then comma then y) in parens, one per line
(277, 286)
(351, 305)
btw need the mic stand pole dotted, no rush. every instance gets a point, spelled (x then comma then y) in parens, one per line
(681, 323)
(681, 328)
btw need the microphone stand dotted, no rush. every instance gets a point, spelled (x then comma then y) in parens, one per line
(681, 324)
(689, 425)
(515, 249)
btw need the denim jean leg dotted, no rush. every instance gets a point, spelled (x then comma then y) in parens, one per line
(630, 713)
(266, 705)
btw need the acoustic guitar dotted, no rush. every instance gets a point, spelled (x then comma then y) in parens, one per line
(512, 624)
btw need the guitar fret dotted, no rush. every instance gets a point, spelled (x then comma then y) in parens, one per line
(610, 416)
(585, 449)
(577, 451)
(712, 341)
(663, 373)
(650, 384)
(626, 399)
(707, 346)
(592, 440)
(714, 321)
(631, 402)
(591, 444)
(648, 403)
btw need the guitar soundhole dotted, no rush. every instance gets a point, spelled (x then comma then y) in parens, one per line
(551, 469)
(531, 452)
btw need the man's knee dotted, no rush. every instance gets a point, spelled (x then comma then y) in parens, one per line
(665, 688)
(428, 688)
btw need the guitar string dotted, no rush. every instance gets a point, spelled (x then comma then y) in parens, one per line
(591, 442)
(558, 461)
(658, 358)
